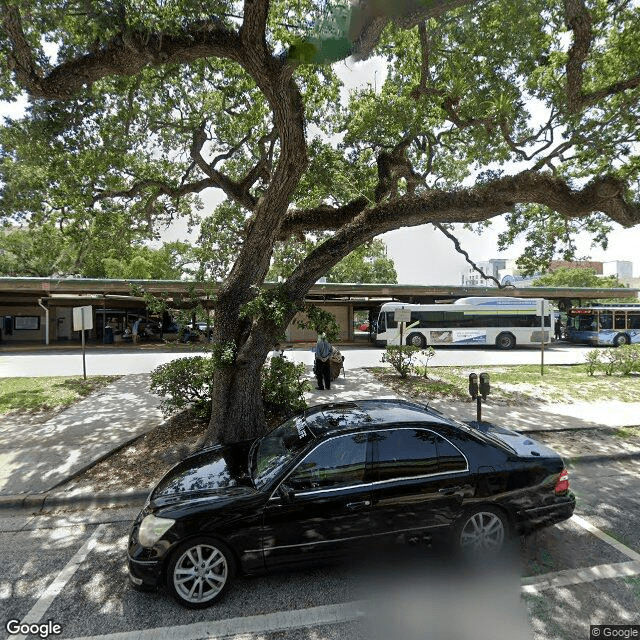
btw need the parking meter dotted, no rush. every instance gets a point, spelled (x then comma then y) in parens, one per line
(473, 385)
(484, 385)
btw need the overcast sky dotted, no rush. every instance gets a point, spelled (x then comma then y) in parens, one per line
(422, 255)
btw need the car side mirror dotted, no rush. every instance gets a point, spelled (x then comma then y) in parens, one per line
(286, 493)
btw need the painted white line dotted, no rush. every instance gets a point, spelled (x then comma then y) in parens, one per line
(605, 537)
(54, 589)
(267, 623)
(534, 584)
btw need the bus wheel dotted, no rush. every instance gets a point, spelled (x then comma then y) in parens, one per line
(505, 341)
(620, 340)
(416, 340)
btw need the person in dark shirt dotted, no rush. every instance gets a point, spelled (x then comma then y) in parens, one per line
(322, 366)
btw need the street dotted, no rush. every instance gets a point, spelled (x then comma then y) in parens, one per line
(118, 362)
(70, 568)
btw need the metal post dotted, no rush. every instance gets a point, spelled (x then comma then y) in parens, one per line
(542, 310)
(401, 332)
(84, 364)
(479, 409)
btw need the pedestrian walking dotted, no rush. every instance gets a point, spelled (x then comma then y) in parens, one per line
(322, 366)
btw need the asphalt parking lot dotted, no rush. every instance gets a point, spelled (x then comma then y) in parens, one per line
(69, 568)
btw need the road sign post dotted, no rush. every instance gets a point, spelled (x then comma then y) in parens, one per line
(402, 316)
(82, 320)
(543, 309)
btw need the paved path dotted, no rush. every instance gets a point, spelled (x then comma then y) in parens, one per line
(34, 459)
(359, 383)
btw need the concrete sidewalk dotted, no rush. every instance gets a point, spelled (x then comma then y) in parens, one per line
(359, 383)
(34, 459)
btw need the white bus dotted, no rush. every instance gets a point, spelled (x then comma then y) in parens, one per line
(503, 322)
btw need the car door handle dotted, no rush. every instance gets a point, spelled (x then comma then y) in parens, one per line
(358, 505)
(447, 491)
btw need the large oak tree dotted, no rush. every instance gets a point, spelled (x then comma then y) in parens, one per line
(528, 110)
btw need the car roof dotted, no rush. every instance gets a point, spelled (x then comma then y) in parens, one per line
(365, 414)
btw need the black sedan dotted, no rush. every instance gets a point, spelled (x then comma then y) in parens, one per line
(335, 478)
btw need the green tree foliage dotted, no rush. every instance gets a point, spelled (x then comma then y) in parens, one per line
(366, 264)
(39, 252)
(525, 110)
(576, 277)
(144, 263)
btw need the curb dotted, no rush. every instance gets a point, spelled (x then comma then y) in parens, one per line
(40, 502)
(44, 501)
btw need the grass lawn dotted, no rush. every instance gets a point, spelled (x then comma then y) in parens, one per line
(28, 394)
(513, 384)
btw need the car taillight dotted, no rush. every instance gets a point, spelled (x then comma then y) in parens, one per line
(562, 485)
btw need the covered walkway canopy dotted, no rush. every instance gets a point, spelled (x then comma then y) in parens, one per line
(52, 299)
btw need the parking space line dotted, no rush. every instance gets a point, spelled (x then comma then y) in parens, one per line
(44, 601)
(266, 623)
(534, 584)
(605, 537)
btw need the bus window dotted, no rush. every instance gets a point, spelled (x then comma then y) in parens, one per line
(382, 325)
(391, 323)
(606, 321)
(619, 320)
(586, 322)
(634, 320)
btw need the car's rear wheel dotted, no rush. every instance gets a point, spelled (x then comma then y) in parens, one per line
(484, 529)
(199, 572)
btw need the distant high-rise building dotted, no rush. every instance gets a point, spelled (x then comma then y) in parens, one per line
(621, 269)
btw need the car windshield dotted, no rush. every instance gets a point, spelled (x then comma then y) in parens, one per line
(277, 449)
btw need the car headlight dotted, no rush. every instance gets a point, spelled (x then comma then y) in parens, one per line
(152, 529)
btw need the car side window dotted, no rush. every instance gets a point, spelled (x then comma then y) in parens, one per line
(405, 453)
(449, 458)
(409, 453)
(339, 462)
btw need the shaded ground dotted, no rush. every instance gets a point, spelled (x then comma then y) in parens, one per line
(143, 463)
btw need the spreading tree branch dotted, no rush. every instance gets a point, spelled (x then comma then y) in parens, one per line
(461, 251)
(126, 54)
(578, 19)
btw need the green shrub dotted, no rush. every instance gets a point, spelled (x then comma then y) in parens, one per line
(628, 359)
(609, 361)
(188, 382)
(423, 361)
(283, 387)
(593, 361)
(401, 358)
(185, 382)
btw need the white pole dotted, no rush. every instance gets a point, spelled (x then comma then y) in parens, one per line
(46, 315)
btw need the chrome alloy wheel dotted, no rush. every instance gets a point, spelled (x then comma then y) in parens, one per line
(200, 573)
(484, 530)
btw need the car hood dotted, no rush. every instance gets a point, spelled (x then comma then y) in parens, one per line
(522, 445)
(220, 471)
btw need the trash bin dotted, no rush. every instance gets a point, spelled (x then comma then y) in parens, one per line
(108, 335)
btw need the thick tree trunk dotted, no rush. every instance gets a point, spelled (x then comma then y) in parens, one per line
(237, 401)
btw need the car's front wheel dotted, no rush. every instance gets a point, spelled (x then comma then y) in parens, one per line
(484, 529)
(199, 572)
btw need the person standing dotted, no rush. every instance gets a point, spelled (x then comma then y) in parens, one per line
(322, 366)
(558, 329)
(136, 329)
